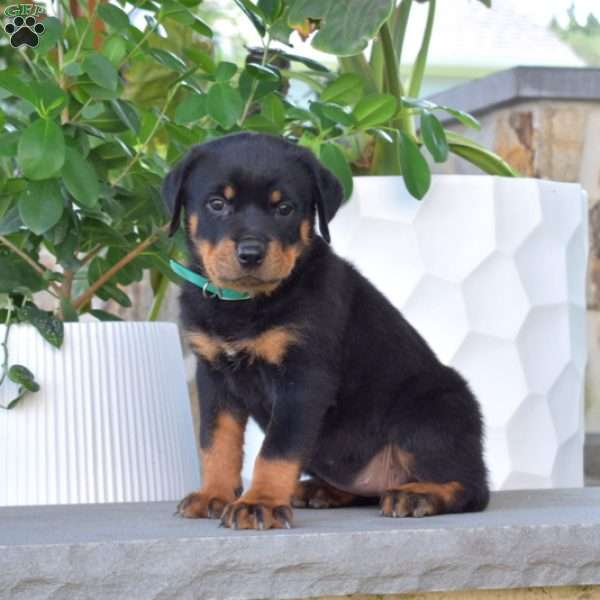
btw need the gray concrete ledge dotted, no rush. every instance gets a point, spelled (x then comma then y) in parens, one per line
(522, 83)
(525, 539)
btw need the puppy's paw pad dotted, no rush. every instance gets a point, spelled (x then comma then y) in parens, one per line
(250, 515)
(397, 504)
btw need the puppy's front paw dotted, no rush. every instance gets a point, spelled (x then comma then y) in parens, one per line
(257, 515)
(202, 505)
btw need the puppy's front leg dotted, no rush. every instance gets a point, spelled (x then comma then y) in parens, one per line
(299, 404)
(222, 424)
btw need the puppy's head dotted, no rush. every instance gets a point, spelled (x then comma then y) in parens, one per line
(249, 202)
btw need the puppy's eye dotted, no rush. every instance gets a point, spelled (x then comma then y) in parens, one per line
(284, 209)
(216, 204)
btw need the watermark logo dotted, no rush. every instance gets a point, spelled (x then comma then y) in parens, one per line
(24, 29)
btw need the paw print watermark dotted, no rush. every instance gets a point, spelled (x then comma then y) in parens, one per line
(24, 32)
(24, 28)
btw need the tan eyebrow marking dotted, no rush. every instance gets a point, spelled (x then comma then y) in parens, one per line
(229, 192)
(275, 196)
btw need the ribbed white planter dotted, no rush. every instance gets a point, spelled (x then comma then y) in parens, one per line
(112, 421)
(491, 271)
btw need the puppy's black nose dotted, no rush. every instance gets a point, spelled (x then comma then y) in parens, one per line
(251, 252)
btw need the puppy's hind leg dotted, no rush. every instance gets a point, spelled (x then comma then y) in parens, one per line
(315, 493)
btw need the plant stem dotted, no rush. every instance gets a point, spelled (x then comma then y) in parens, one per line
(401, 22)
(83, 107)
(418, 71)
(143, 39)
(263, 62)
(91, 291)
(404, 121)
(159, 297)
(40, 270)
(86, 259)
(4, 344)
(144, 145)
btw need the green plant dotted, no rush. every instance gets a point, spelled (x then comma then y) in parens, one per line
(81, 164)
(91, 119)
(396, 146)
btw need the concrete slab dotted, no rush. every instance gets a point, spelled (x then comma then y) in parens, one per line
(525, 539)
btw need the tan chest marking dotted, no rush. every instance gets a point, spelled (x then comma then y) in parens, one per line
(270, 346)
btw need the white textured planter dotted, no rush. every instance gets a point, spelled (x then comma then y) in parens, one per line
(491, 271)
(112, 421)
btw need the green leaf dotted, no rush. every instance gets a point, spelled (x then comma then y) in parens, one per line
(24, 377)
(333, 158)
(464, 117)
(101, 71)
(420, 103)
(434, 137)
(348, 88)
(271, 9)
(415, 170)
(375, 109)
(113, 16)
(168, 59)
(225, 71)
(333, 112)
(307, 62)
(273, 109)
(224, 104)
(191, 109)
(41, 205)
(487, 161)
(49, 97)
(487, 3)
(17, 273)
(17, 87)
(252, 12)
(73, 69)
(10, 223)
(345, 27)
(127, 113)
(114, 48)
(262, 72)
(41, 150)
(103, 315)
(9, 143)
(201, 59)
(260, 123)
(50, 328)
(52, 34)
(80, 179)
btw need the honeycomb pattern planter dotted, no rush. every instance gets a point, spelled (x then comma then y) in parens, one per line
(491, 271)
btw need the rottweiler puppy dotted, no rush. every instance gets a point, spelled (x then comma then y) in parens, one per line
(345, 389)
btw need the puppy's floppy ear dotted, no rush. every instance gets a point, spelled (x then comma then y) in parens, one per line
(328, 193)
(172, 187)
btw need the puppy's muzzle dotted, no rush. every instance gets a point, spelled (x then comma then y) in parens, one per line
(251, 252)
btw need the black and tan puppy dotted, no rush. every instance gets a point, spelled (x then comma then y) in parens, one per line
(343, 386)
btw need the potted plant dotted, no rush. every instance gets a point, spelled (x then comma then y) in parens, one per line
(94, 409)
(490, 269)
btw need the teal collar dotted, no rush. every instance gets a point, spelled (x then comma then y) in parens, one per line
(208, 289)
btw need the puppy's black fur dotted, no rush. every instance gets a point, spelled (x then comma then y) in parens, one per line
(344, 387)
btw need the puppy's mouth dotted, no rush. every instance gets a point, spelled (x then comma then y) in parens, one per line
(250, 281)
